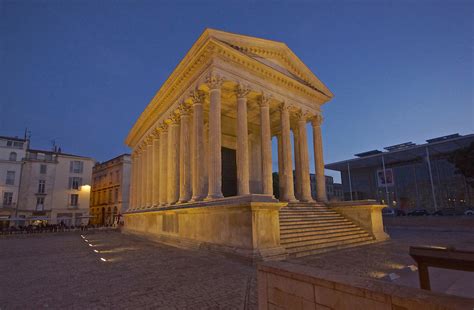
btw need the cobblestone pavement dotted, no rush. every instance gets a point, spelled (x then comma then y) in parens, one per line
(381, 259)
(63, 271)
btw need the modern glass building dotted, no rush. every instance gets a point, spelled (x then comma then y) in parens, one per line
(434, 175)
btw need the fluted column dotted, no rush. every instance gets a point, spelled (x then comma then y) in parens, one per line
(215, 156)
(143, 176)
(156, 170)
(133, 182)
(138, 173)
(198, 160)
(297, 176)
(265, 130)
(185, 157)
(149, 174)
(242, 142)
(281, 180)
(318, 159)
(288, 189)
(173, 161)
(163, 165)
(305, 194)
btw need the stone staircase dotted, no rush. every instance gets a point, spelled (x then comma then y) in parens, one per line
(313, 228)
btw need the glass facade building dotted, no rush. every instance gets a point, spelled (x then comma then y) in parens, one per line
(407, 176)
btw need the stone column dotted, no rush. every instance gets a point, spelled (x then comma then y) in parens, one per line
(198, 160)
(265, 130)
(215, 156)
(143, 176)
(163, 164)
(156, 170)
(318, 159)
(138, 172)
(281, 180)
(288, 189)
(242, 142)
(305, 194)
(297, 176)
(173, 161)
(133, 182)
(149, 174)
(185, 191)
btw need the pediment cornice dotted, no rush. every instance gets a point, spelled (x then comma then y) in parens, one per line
(200, 56)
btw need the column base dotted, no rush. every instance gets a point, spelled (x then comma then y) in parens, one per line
(197, 198)
(213, 196)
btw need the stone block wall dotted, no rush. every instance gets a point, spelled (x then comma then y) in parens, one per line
(284, 285)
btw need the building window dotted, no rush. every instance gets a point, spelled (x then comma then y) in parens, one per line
(110, 196)
(76, 166)
(12, 156)
(40, 204)
(116, 195)
(41, 186)
(74, 200)
(7, 198)
(43, 169)
(10, 178)
(117, 175)
(75, 182)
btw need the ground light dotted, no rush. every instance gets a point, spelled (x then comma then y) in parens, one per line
(96, 251)
(90, 244)
(103, 259)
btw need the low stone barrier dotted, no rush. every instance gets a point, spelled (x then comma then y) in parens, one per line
(284, 285)
(445, 223)
(365, 213)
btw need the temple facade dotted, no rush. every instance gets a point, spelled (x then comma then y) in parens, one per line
(202, 149)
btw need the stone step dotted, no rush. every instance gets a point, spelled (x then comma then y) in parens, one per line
(311, 228)
(296, 227)
(327, 244)
(325, 239)
(306, 220)
(314, 222)
(336, 247)
(309, 216)
(305, 205)
(288, 214)
(304, 208)
(295, 236)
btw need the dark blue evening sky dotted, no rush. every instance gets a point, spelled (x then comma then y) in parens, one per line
(81, 72)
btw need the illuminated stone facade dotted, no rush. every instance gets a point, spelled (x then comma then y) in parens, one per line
(110, 190)
(202, 149)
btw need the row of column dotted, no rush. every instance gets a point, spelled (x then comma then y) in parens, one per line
(169, 168)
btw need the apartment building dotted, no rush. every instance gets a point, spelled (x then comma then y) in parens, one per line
(12, 151)
(110, 190)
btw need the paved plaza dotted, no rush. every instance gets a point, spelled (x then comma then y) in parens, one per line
(63, 271)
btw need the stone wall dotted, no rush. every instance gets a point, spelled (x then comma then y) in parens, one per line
(289, 286)
(365, 213)
(250, 230)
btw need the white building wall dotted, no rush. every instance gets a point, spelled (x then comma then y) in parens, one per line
(10, 165)
(61, 198)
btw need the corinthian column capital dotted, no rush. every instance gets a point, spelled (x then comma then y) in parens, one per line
(284, 107)
(317, 120)
(214, 81)
(242, 90)
(184, 109)
(264, 100)
(197, 96)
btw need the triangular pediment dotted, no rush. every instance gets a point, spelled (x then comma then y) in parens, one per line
(274, 54)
